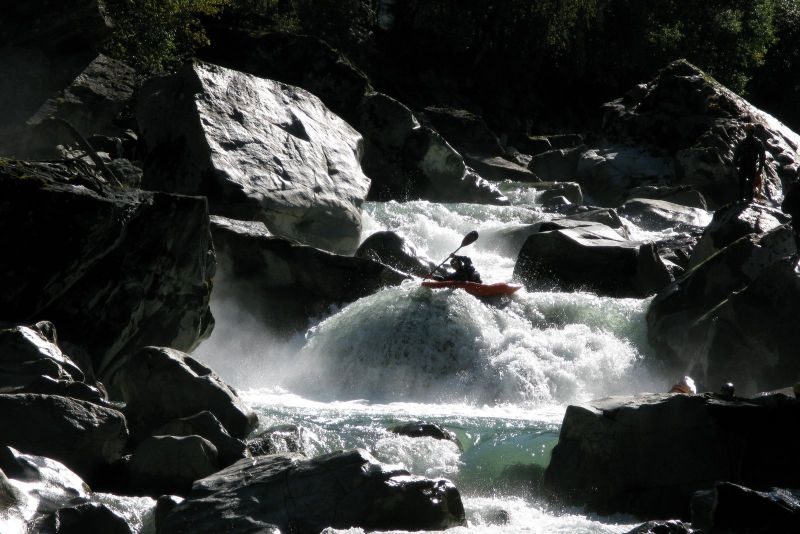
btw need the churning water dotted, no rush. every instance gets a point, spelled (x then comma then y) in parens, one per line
(498, 373)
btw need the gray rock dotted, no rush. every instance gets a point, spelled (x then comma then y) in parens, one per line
(207, 426)
(600, 222)
(733, 222)
(277, 439)
(499, 168)
(283, 283)
(114, 270)
(682, 319)
(735, 508)
(569, 190)
(90, 517)
(648, 454)
(430, 430)
(694, 119)
(408, 161)
(672, 526)
(592, 258)
(678, 194)
(170, 464)
(91, 103)
(164, 506)
(259, 150)
(86, 437)
(466, 132)
(533, 145)
(339, 490)
(26, 355)
(660, 215)
(159, 384)
(558, 165)
(393, 250)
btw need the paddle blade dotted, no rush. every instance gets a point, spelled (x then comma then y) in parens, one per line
(469, 239)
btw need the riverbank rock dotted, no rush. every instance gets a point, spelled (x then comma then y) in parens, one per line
(92, 103)
(393, 250)
(677, 194)
(422, 430)
(729, 294)
(339, 490)
(87, 517)
(170, 464)
(467, 132)
(592, 259)
(206, 425)
(113, 269)
(45, 45)
(648, 454)
(557, 165)
(735, 221)
(735, 508)
(694, 119)
(569, 190)
(283, 283)
(160, 384)
(409, 161)
(86, 437)
(661, 215)
(258, 149)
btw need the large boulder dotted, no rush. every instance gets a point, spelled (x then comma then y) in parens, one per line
(113, 269)
(393, 250)
(732, 222)
(84, 436)
(339, 490)
(408, 161)
(648, 454)
(170, 464)
(467, 132)
(661, 215)
(160, 384)
(734, 508)
(284, 283)
(206, 425)
(727, 295)
(31, 362)
(86, 517)
(557, 165)
(258, 149)
(678, 194)
(592, 258)
(697, 121)
(44, 45)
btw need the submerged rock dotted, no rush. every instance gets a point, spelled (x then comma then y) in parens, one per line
(648, 454)
(160, 384)
(86, 437)
(339, 490)
(284, 284)
(114, 270)
(421, 430)
(259, 150)
(591, 258)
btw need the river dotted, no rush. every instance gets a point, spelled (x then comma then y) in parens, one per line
(499, 373)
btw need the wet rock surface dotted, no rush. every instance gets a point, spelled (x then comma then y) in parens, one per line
(648, 454)
(341, 490)
(393, 250)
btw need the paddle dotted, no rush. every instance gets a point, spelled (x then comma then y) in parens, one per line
(469, 239)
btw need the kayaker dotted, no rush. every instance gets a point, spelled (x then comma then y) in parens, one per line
(463, 271)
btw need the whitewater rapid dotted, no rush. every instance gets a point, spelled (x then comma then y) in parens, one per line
(499, 373)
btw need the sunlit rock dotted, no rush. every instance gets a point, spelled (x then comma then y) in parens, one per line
(663, 215)
(283, 283)
(340, 490)
(86, 437)
(689, 116)
(113, 269)
(258, 149)
(592, 259)
(648, 454)
(160, 384)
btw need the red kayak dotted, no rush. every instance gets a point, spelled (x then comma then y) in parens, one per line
(479, 290)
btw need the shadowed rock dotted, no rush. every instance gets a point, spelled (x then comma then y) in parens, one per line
(169, 464)
(207, 426)
(392, 250)
(648, 454)
(339, 490)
